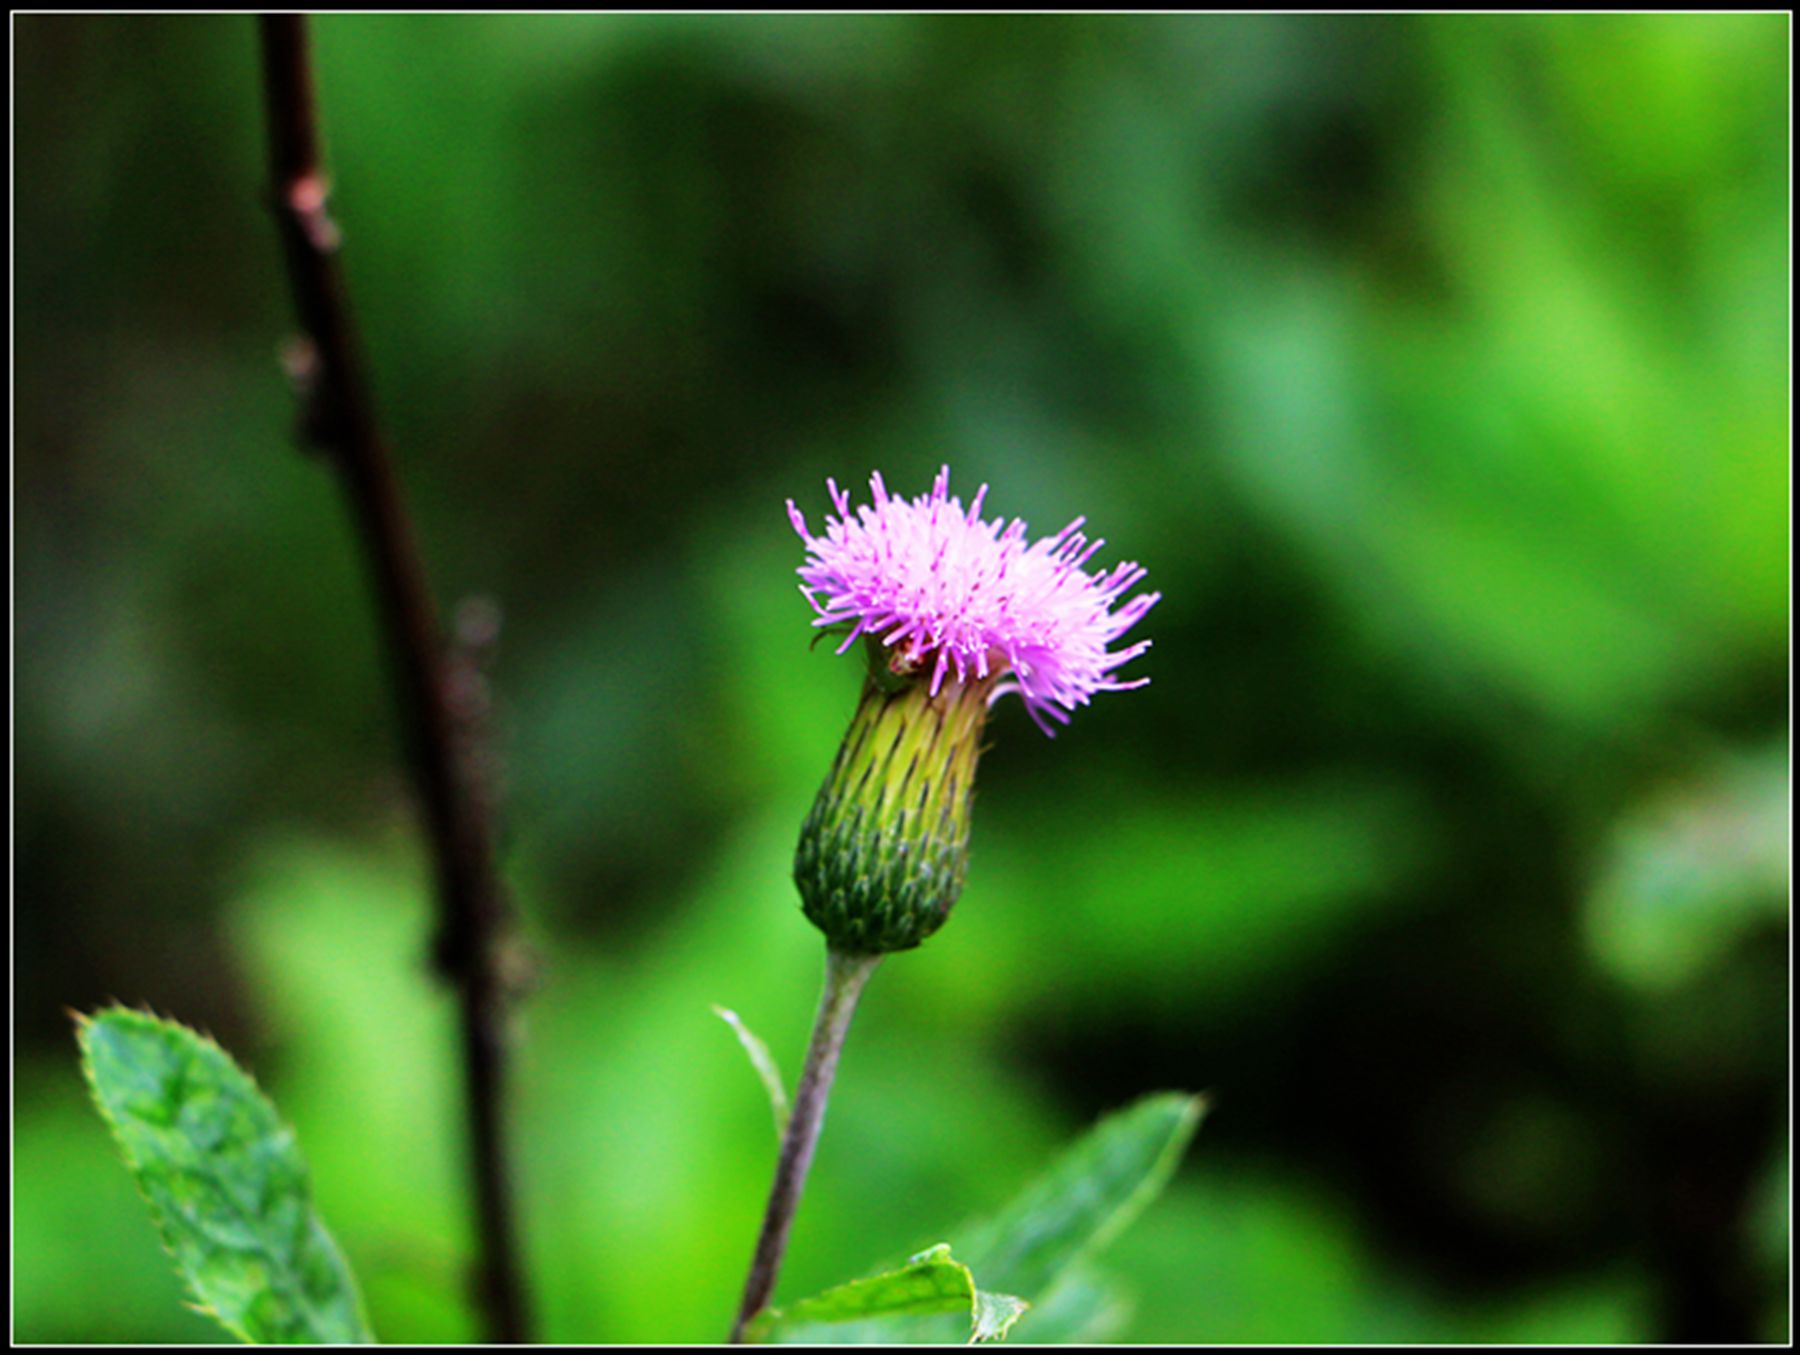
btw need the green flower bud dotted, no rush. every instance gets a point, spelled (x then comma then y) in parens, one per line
(884, 852)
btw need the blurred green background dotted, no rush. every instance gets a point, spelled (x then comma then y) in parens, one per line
(1437, 368)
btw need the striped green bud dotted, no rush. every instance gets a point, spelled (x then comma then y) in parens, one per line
(884, 852)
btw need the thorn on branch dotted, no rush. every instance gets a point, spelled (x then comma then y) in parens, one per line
(305, 373)
(515, 966)
(519, 967)
(307, 196)
(477, 625)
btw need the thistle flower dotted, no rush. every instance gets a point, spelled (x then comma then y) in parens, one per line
(945, 590)
(956, 612)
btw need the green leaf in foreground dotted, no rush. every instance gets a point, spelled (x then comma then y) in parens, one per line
(226, 1185)
(933, 1282)
(1034, 1246)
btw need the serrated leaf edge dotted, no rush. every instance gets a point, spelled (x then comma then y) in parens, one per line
(84, 1021)
(192, 1299)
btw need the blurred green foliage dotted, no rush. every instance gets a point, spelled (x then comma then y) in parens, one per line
(1437, 367)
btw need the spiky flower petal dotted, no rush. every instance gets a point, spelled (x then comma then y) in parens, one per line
(952, 595)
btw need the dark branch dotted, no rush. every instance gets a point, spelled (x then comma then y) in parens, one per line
(474, 916)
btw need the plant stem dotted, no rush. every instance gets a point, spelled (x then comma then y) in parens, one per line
(339, 418)
(845, 976)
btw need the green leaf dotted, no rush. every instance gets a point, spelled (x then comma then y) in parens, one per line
(1082, 1308)
(1086, 1198)
(225, 1182)
(1033, 1247)
(933, 1282)
(764, 1064)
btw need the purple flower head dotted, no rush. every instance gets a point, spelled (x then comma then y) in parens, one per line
(947, 590)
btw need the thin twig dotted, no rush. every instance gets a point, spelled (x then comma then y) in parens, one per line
(474, 912)
(845, 976)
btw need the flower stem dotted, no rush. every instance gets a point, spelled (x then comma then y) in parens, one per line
(845, 975)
